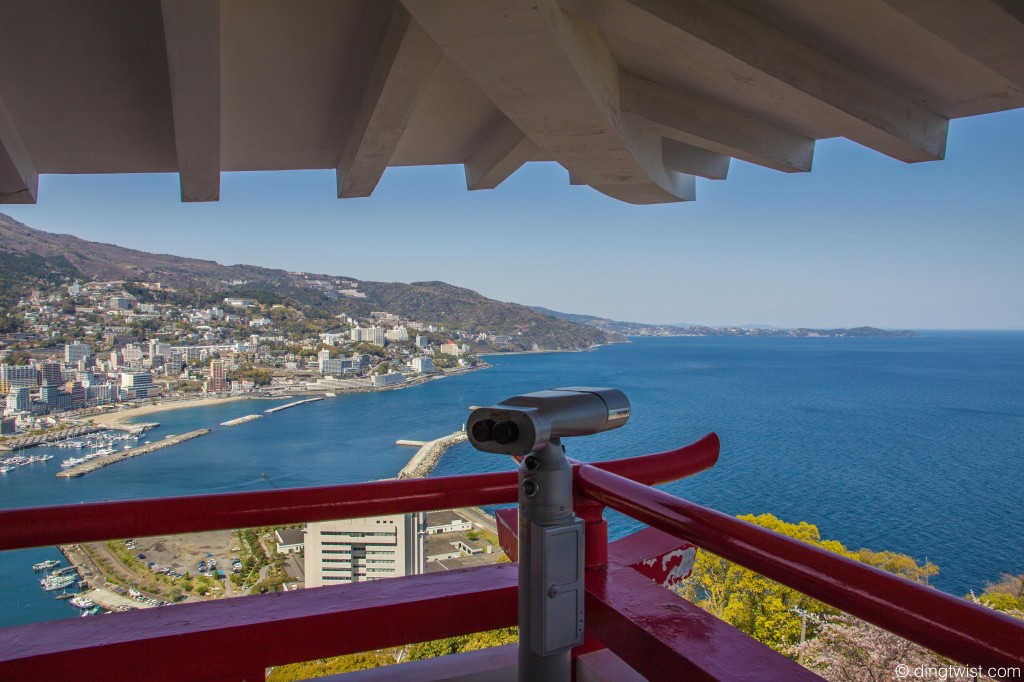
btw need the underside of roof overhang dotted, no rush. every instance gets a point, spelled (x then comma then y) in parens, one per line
(634, 98)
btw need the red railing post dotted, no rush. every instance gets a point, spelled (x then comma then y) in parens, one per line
(595, 533)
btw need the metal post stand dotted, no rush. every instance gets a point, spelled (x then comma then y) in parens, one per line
(551, 589)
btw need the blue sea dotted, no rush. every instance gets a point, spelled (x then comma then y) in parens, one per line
(914, 445)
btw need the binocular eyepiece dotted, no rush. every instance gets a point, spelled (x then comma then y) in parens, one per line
(526, 423)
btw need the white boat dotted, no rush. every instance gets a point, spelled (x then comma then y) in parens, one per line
(4, 469)
(52, 583)
(46, 565)
(72, 462)
(80, 602)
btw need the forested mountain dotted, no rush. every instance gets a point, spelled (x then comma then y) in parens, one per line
(33, 259)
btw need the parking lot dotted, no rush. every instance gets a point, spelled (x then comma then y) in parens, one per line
(182, 553)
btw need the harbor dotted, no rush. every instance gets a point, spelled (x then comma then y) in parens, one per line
(121, 455)
(294, 404)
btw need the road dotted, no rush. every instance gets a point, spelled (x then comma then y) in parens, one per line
(481, 518)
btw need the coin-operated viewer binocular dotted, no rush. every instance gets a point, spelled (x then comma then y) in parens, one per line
(551, 590)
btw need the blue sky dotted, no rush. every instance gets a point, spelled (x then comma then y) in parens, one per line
(862, 239)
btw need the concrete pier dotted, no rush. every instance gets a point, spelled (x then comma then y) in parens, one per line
(121, 455)
(295, 404)
(423, 462)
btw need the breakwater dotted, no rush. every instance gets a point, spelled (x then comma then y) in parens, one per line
(100, 462)
(426, 458)
(295, 404)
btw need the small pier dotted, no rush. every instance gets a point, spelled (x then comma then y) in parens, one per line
(295, 404)
(134, 429)
(412, 443)
(242, 420)
(121, 455)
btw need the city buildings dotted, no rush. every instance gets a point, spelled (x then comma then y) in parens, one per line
(356, 550)
(218, 377)
(139, 385)
(374, 335)
(18, 376)
(390, 379)
(73, 352)
(423, 365)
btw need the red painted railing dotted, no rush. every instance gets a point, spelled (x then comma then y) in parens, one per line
(649, 627)
(949, 626)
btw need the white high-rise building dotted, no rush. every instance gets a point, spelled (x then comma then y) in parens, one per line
(19, 400)
(157, 348)
(397, 334)
(73, 352)
(131, 353)
(374, 335)
(355, 550)
(141, 383)
(14, 376)
(424, 365)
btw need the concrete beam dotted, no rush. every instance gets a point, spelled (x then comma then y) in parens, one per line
(685, 158)
(716, 127)
(405, 61)
(500, 155)
(192, 37)
(19, 181)
(757, 62)
(991, 32)
(553, 76)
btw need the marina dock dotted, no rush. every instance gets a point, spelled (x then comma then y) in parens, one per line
(22, 442)
(295, 404)
(121, 455)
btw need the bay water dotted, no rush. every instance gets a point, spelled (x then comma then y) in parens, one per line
(914, 445)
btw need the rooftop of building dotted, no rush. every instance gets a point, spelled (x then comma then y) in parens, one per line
(291, 536)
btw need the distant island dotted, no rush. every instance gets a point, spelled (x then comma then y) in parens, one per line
(643, 329)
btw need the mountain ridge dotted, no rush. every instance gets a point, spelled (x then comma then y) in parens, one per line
(47, 257)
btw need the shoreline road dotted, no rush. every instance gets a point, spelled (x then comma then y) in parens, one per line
(481, 518)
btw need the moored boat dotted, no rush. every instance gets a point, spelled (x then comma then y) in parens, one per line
(45, 565)
(52, 583)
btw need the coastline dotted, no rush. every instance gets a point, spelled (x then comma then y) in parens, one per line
(122, 416)
(561, 350)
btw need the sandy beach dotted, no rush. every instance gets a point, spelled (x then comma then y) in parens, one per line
(119, 417)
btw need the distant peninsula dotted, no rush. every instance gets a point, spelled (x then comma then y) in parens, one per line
(643, 329)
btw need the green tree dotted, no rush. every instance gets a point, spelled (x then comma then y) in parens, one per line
(769, 611)
(445, 361)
